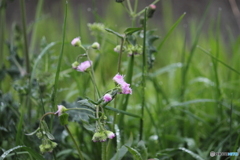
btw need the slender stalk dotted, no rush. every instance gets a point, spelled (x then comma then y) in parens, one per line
(26, 54)
(81, 109)
(60, 58)
(104, 154)
(75, 143)
(2, 25)
(142, 11)
(120, 56)
(34, 32)
(48, 113)
(130, 7)
(144, 72)
(26, 57)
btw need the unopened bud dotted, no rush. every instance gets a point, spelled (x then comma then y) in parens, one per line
(151, 10)
(95, 45)
(76, 42)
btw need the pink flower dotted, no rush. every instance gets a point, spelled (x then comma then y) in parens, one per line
(119, 79)
(84, 66)
(110, 134)
(126, 89)
(152, 6)
(61, 110)
(107, 97)
(76, 42)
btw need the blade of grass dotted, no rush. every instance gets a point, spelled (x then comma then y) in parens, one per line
(192, 51)
(2, 34)
(144, 72)
(170, 31)
(55, 86)
(34, 32)
(223, 63)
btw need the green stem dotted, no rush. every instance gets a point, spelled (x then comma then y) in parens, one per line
(120, 55)
(2, 34)
(26, 54)
(142, 11)
(104, 151)
(130, 7)
(60, 58)
(34, 31)
(144, 72)
(82, 109)
(26, 57)
(75, 143)
(48, 113)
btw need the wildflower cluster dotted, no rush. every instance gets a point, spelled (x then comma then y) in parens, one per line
(101, 134)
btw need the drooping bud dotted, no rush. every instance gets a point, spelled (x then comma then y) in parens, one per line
(99, 137)
(110, 134)
(117, 49)
(76, 42)
(95, 45)
(61, 110)
(75, 65)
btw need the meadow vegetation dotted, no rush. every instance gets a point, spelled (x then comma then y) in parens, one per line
(178, 97)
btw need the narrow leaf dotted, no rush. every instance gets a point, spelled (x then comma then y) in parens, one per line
(123, 112)
(123, 150)
(209, 54)
(171, 30)
(115, 33)
(130, 31)
(30, 134)
(194, 155)
(4, 155)
(135, 153)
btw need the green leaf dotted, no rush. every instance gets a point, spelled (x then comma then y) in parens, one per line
(118, 136)
(192, 102)
(85, 102)
(194, 155)
(170, 152)
(141, 148)
(123, 112)
(223, 63)
(123, 150)
(130, 31)
(135, 153)
(4, 155)
(46, 131)
(171, 30)
(115, 33)
(30, 134)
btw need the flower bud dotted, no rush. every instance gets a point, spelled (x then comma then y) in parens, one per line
(109, 134)
(75, 65)
(99, 137)
(117, 49)
(151, 10)
(95, 45)
(61, 110)
(84, 66)
(76, 42)
(107, 97)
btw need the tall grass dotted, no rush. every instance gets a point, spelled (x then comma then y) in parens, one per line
(184, 107)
